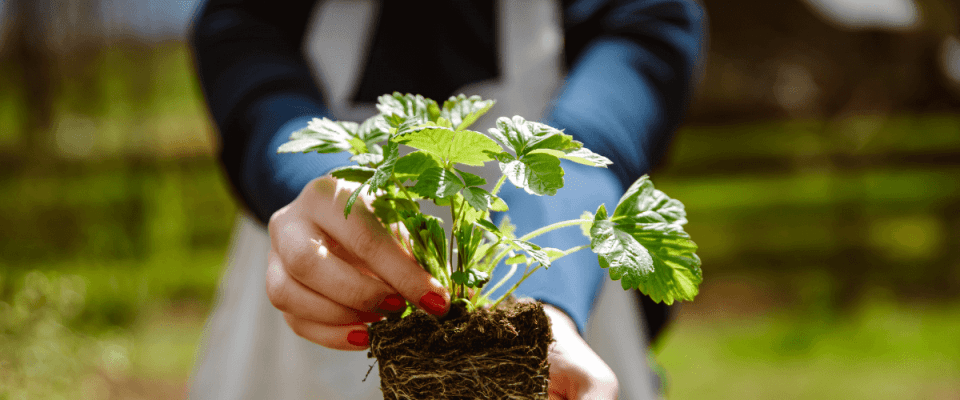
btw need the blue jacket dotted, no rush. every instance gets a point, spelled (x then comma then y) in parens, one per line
(631, 67)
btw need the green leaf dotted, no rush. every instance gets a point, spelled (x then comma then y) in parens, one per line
(405, 127)
(677, 274)
(374, 130)
(482, 200)
(351, 200)
(645, 204)
(668, 268)
(353, 173)
(489, 227)
(357, 146)
(478, 198)
(323, 136)
(368, 158)
(533, 251)
(601, 212)
(462, 111)
(470, 278)
(503, 157)
(468, 238)
(398, 108)
(472, 215)
(464, 147)
(528, 137)
(444, 123)
(468, 215)
(619, 252)
(471, 179)
(388, 207)
(538, 174)
(522, 136)
(581, 156)
(437, 183)
(428, 239)
(307, 144)
(498, 205)
(412, 165)
(382, 175)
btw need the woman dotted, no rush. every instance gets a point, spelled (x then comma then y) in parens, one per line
(630, 75)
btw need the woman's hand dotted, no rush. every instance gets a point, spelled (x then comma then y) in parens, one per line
(576, 371)
(331, 275)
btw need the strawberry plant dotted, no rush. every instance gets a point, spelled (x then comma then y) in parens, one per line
(641, 242)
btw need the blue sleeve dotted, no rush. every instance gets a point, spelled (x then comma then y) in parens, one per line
(632, 66)
(259, 89)
(572, 282)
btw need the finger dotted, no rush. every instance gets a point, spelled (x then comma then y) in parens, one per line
(363, 235)
(304, 254)
(576, 371)
(290, 296)
(347, 337)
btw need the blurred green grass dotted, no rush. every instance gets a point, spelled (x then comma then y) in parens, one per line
(811, 219)
(881, 350)
(136, 234)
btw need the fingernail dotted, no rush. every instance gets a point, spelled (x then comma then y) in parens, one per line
(358, 338)
(370, 317)
(393, 302)
(433, 303)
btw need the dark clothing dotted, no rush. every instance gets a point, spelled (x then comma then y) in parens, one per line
(631, 67)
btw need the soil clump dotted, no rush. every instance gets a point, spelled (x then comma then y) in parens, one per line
(500, 354)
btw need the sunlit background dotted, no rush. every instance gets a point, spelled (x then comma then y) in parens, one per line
(820, 166)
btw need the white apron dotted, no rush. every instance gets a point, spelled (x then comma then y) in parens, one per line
(247, 350)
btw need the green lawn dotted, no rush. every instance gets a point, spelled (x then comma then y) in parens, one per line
(880, 350)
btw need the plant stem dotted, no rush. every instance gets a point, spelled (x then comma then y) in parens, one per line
(496, 188)
(527, 274)
(539, 232)
(453, 229)
(403, 188)
(555, 226)
(572, 250)
(513, 269)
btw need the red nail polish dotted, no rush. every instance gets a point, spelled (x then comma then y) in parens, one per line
(358, 338)
(433, 303)
(370, 317)
(393, 302)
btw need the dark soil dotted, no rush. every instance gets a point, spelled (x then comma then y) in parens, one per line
(480, 355)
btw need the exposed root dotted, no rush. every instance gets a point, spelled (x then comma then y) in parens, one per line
(471, 356)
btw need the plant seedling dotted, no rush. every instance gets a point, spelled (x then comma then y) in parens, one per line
(641, 243)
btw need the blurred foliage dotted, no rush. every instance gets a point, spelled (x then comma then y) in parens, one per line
(44, 356)
(868, 200)
(137, 233)
(111, 102)
(40, 356)
(883, 350)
